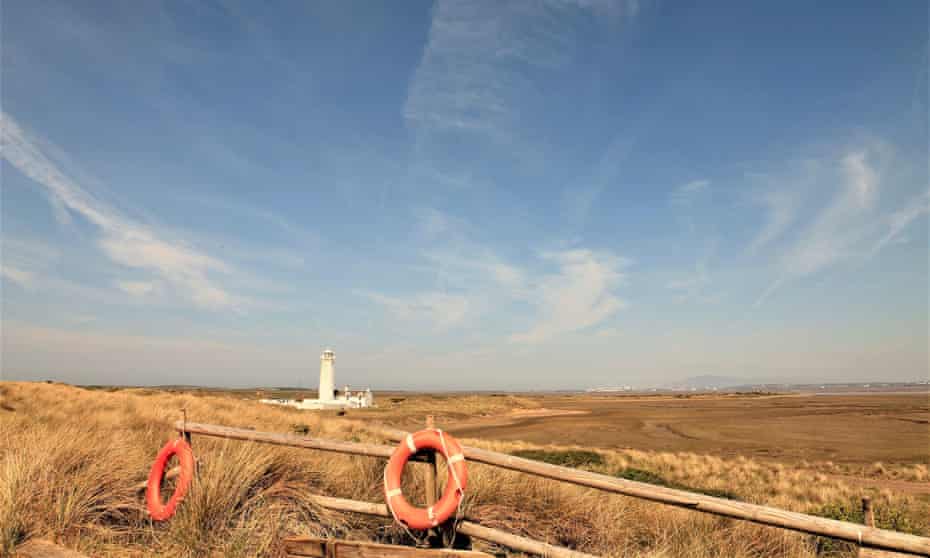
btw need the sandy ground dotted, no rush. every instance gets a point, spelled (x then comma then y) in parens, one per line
(892, 428)
(515, 417)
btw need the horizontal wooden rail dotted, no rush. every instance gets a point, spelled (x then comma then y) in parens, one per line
(39, 548)
(469, 528)
(169, 474)
(852, 532)
(316, 547)
(292, 440)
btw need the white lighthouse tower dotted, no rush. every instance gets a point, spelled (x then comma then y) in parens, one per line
(327, 399)
(327, 375)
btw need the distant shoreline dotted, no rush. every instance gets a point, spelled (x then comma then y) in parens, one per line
(877, 388)
(872, 392)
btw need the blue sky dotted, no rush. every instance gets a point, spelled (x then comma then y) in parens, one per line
(480, 195)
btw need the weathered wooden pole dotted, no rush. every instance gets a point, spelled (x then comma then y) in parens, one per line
(183, 431)
(469, 528)
(431, 486)
(292, 440)
(868, 518)
(315, 547)
(868, 515)
(169, 474)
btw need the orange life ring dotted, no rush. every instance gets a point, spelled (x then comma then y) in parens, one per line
(419, 518)
(182, 449)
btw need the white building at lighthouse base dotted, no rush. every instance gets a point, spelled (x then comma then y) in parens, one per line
(345, 400)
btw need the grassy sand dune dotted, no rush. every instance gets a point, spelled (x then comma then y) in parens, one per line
(70, 460)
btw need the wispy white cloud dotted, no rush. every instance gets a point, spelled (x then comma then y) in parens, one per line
(479, 68)
(697, 285)
(136, 288)
(20, 277)
(568, 290)
(850, 225)
(609, 333)
(439, 309)
(862, 179)
(782, 206)
(466, 273)
(481, 262)
(686, 193)
(901, 219)
(464, 81)
(699, 238)
(123, 240)
(579, 295)
(691, 286)
(839, 227)
(458, 259)
(580, 198)
(253, 213)
(433, 222)
(25, 261)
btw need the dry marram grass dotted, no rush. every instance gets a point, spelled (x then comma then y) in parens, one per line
(70, 460)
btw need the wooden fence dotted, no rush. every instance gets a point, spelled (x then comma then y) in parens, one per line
(863, 535)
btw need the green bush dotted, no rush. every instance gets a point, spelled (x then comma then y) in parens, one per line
(640, 475)
(894, 519)
(716, 493)
(569, 458)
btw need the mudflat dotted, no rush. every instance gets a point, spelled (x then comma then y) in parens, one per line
(891, 428)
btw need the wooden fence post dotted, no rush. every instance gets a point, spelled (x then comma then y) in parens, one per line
(184, 432)
(431, 485)
(432, 488)
(868, 517)
(867, 513)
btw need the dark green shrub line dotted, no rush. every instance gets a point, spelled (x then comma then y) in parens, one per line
(640, 475)
(894, 519)
(567, 458)
(885, 518)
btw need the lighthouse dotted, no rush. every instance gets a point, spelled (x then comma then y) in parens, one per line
(327, 375)
(327, 398)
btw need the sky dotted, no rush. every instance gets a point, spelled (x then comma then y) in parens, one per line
(464, 195)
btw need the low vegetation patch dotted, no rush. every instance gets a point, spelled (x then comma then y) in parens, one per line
(639, 475)
(885, 517)
(578, 459)
(895, 519)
